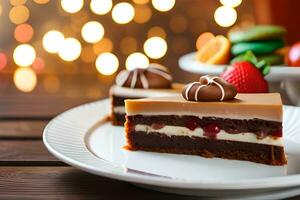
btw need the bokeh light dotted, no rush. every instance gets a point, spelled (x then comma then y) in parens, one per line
(128, 45)
(41, 1)
(1, 9)
(19, 14)
(225, 16)
(17, 2)
(123, 13)
(3, 61)
(51, 84)
(163, 5)
(142, 14)
(52, 41)
(231, 3)
(156, 31)
(136, 60)
(23, 33)
(70, 49)
(71, 6)
(104, 45)
(141, 2)
(92, 32)
(107, 63)
(87, 54)
(155, 47)
(24, 55)
(38, 65)
(101, 7)
(25, 79)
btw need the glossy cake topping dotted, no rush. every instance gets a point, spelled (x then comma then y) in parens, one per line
(154, 76)
(209, 88)
(267, 106)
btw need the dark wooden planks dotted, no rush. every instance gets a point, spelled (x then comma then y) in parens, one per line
(68, 183)
(39, 104)
(22, 129)
(42, 107)
(25, 153)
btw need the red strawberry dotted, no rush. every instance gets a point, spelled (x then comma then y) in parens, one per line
(246, 78)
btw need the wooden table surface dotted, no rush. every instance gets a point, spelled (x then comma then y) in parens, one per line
(29, 171)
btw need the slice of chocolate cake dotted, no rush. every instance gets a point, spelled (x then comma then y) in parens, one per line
(153, 81)
(209, 120)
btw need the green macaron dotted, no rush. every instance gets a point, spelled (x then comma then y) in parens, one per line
(257, 33)
(272, 59)
(257, 47)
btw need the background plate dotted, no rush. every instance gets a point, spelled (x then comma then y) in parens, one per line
(69, 137)
(189, 63)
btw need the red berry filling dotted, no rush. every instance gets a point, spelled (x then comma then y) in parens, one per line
(277, 133)
(192, 124)
(211, 130)
(211, 126)
(157, 126)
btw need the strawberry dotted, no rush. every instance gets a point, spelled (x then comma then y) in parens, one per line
(246, 77)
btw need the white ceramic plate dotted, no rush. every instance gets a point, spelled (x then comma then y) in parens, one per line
(189, 63)
(81, 137)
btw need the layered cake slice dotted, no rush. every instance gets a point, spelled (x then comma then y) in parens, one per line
(153, 81)
(209, 120)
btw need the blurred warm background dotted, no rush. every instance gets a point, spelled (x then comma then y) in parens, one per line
(74, 48)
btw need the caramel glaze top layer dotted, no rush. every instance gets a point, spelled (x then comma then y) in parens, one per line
(267, 106)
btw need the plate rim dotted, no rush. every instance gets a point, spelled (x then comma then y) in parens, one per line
(119, 173)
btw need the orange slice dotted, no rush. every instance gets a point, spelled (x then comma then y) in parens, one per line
(203, 38)
(215, 51)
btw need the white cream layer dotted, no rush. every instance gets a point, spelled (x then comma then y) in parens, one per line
(119, 109)
(198, 132)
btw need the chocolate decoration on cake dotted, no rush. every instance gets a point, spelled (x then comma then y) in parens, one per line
(154, 76)
(209, 88)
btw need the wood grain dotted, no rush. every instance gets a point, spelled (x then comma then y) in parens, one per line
(22, 129)
(39, 104)
(25, 152)
(69, 183)
(42, 108)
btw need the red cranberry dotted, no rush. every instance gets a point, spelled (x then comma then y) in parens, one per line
(157, 126)
(277, 133)
(211, 130)
(191, 124)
